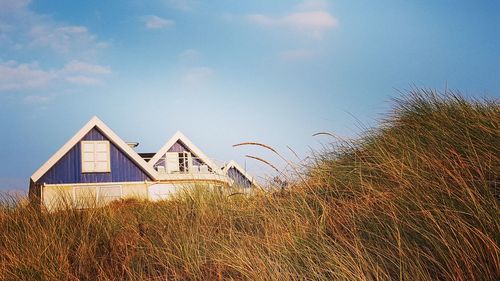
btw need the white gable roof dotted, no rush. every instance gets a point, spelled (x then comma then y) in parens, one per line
(94, 122)
(233, 164)
(178, 136)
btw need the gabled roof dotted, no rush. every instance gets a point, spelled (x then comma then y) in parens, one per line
(178, 136)
(94, 122)
(233, 164)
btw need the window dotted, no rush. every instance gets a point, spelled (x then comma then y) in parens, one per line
(95, 157)
(92, 196)
(184, 163)
(85, 196)
(178, 162)
(109, 193)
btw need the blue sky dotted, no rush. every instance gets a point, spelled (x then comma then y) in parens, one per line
(227, 71)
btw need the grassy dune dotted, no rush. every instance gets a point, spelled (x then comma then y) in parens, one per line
(415, 199)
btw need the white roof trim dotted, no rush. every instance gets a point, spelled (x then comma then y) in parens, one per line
(180, 136)
(94, 122)
(233, 164)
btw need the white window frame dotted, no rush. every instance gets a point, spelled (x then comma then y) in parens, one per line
(107, 169)
(186, 158)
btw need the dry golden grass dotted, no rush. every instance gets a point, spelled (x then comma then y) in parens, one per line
(416, 199)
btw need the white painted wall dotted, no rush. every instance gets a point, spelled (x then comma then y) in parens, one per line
(162, 191)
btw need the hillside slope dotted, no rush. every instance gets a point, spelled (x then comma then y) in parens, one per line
(415, 199)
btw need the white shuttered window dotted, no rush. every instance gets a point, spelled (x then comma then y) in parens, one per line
(95, 157)
(109, 193)
(85, 197)
(92, 196)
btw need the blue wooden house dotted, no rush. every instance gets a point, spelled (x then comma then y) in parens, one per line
(97, 166)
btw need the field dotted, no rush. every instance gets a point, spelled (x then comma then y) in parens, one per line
(416, 198)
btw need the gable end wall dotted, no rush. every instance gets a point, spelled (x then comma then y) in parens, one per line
(68, 168)
(239, 178)
(178, 146)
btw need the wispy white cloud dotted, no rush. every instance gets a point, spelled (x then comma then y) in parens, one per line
(9, 6)
(16, 76)
(193, 73)
(66, 39)
(84, 67)
(309, 17)
(24, 30)
(156, 22)
(37, 99)
(300, 20)
(73, 47)
(196, 75)
(189, 56)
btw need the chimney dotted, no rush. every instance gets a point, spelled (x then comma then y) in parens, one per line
(133, 144)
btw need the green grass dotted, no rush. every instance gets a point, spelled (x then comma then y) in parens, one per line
(414, 199)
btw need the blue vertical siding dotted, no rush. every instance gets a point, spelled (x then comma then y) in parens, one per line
(239, 178)
(179, 147)
(68, 168)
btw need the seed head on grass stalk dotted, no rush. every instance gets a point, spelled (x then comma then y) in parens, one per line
(297, 172)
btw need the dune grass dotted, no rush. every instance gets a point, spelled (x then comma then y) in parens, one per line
(414, 199)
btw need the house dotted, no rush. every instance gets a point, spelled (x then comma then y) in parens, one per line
(237, 176)
(97, 166)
